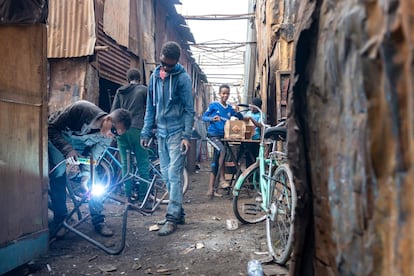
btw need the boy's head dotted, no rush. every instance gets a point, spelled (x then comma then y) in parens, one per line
(224, 93)
(257, 102)
(116, 123)
(133, 75)
(170, 54)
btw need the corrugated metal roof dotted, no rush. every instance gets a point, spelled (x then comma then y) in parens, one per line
(71, 28)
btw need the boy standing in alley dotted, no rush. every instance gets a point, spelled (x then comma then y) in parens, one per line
(133, 97)
(170, 108)
(217, 114)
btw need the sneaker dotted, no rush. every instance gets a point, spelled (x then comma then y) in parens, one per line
(168, 228)
(104, 230)
(164, 221)
(132, 199)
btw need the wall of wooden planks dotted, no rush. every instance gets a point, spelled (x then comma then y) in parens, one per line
(23, 145)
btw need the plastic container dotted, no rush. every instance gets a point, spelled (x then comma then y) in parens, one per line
(254, 268)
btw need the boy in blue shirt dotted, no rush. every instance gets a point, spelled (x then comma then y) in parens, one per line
(254, 116)
(217, 114)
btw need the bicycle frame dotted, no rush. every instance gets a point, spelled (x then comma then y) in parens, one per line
(264, 163)
(265, 191)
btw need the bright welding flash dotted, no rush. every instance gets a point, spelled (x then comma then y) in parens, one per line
(98, 190)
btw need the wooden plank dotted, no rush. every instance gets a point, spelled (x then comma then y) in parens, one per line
(23, 147)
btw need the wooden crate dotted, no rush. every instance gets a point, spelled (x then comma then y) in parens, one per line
(235, 129)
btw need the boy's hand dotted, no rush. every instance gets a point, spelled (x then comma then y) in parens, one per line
(216, 118)
(185, 145)
(144, 142)
(72, 157)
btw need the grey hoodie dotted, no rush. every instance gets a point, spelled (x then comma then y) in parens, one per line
(132, 97)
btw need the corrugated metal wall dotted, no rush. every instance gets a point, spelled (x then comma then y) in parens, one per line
(116, 17)
(113, 63)
(71, 29)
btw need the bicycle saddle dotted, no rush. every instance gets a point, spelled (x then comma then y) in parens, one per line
(276, 133)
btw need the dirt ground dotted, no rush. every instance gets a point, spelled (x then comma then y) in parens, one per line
(203, 246)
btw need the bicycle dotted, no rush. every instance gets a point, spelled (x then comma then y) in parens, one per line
(109, 168)
(265, 191)
(156, 190)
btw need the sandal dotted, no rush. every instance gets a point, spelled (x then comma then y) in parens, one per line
(214, 194)
(224, 184)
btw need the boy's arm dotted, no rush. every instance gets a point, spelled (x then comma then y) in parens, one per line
(115, 103)
(207, 114)
(236, 114)
(149, 112)
(55, 129)
(188, 102)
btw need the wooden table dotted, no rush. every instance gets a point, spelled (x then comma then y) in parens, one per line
(236, 149)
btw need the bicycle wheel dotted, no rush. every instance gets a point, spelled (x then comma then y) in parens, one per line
(247, 197)
(103, 174)
(76, 190)
(280, 221)
(156, 170)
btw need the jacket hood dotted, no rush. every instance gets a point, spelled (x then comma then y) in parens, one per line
(178, 69)
(125, 89)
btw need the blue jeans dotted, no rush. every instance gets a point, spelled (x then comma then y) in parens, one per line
(172, 167)
(57, 179)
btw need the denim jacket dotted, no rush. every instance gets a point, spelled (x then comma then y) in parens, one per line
(170, 104)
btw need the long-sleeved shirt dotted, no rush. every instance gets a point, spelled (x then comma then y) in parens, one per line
(76, 119)
(216, 128)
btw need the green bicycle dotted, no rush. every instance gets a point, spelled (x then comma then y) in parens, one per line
(265, 191)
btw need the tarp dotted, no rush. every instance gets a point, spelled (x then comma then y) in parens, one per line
(23, 11)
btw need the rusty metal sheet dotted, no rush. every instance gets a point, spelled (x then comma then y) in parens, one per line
(116, 15)
(142, 30)
(113, 63)
(71, 29)
(67, 82)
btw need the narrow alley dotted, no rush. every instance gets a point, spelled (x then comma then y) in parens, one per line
(203, 246)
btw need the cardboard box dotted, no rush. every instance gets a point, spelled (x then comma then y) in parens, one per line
(250, 128)
(235, 129)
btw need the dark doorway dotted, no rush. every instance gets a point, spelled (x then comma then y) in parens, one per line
(107, 90)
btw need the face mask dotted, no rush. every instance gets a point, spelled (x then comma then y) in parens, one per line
(163, 74)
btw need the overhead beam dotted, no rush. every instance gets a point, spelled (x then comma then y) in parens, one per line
(220, 16)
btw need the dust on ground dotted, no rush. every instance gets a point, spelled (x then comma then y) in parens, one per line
(203, 246)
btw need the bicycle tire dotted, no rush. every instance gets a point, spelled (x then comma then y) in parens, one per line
(247, 196)
(102, 175)
(155, 168)
(280, 220)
